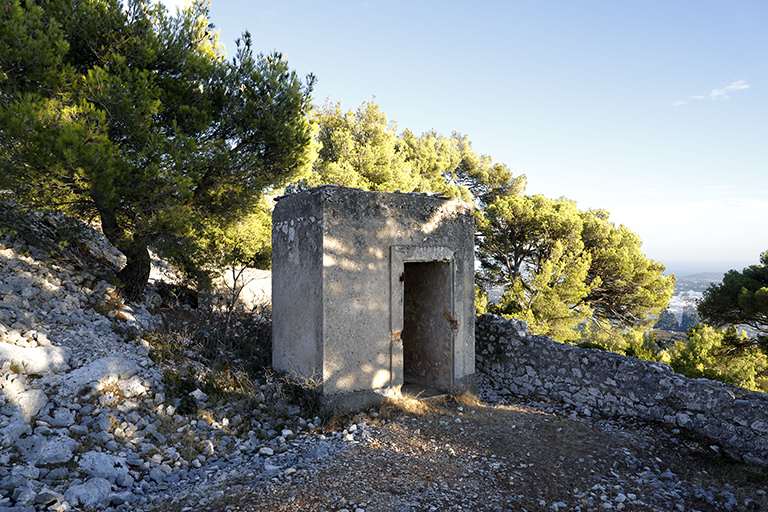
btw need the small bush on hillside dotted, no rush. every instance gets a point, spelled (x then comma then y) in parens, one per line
(481, 301)
(199, 351)
(705, 354)
(621, 340)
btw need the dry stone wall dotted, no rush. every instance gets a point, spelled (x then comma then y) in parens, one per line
(599, 382)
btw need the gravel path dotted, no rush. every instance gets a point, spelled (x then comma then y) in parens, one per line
(465, 455)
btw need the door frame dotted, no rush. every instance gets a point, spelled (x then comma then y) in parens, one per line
(399, 256)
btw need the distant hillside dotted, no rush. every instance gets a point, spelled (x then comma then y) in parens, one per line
(690, 268)
(688, 291)
(696, 282)
(708, 276)
(682, 300)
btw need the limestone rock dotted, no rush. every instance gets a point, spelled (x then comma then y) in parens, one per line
(47, 497)
(120, 498)
(56, 451)
(30, 447)
(12, 384)
(24, 497)
(94, 492)
(16, 428)
(62, 418)
(101, 371)
(132, 387)
(197, 394)
(30, 402)
(160, 473)
(35, 360)
(29, 472)
(103, 465)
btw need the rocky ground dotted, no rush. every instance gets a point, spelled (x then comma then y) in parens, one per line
(102, 403)
(471, 455)
(108, 406)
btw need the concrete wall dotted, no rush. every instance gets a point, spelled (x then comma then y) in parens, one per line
(338, 255)
(599, 382)
(297, 287)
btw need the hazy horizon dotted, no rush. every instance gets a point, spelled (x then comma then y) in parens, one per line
(684, 268)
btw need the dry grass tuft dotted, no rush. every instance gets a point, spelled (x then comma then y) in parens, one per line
(401, 404)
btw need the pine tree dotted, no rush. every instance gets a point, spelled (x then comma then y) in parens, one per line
(123, 113)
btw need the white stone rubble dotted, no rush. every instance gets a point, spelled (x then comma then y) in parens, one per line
(84, 417)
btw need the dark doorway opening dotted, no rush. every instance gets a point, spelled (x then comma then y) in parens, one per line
(427, 327)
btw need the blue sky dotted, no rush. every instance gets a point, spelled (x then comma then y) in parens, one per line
(656, 111)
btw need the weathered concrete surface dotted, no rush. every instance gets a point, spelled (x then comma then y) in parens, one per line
(338, 288)
(297, 286)
(599, 382)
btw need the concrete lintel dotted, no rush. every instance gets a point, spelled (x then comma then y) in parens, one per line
(399, 255)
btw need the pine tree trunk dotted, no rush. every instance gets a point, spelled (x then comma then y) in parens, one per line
(135, 275)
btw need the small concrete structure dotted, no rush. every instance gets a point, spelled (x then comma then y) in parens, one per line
(371, 291)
